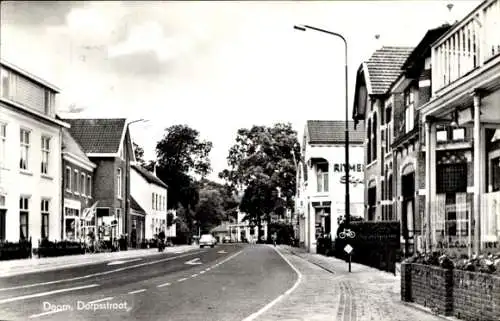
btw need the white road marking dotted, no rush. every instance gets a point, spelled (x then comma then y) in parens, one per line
(162, 285)
(101, 300)
(122, 262)
(137, 291)
(287, 292)
(194, 261)
(44, 313)
(194, 275)
(96, 274)
(221, 252)
(202, 272)
(37, 295)
(181, 280)
(207, 269)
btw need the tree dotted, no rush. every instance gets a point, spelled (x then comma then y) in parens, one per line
(139, 154)
(179, 153)
(209, 211)
(262, 163)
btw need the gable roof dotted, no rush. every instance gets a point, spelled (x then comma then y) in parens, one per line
(332, 132)
(423, 49)
(71, 146)
(135, 206)
(98, 135)
(148, 176)
(384, 67)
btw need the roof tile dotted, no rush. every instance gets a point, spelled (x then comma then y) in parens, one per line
(384, 67)
(98, 135)
(333, 132)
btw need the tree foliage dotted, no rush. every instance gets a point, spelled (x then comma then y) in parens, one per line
(262, 162)
(180, 154)
(139, 154)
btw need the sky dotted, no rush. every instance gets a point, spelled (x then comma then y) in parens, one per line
(214, 66)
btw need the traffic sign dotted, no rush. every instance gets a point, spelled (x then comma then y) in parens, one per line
(348, 249)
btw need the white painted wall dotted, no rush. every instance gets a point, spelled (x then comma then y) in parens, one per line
(142, 192)
(14, 183)
(335, 155)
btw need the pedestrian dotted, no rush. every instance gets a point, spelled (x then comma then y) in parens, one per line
(274, 237)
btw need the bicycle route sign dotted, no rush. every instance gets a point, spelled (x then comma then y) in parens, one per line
(348, 249)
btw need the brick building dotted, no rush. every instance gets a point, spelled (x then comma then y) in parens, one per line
(411, 90)
(78, 172)
(373, 106)
(107, 143)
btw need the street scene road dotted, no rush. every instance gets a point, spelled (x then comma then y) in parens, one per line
(227, 282)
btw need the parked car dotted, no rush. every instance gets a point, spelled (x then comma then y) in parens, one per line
(226, 239)
(207, 240)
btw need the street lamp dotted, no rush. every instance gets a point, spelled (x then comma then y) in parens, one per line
(347, 194)
(127, 179)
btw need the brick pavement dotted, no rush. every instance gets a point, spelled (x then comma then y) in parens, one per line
(329, 292)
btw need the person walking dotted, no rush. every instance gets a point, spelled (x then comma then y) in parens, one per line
(274, 237)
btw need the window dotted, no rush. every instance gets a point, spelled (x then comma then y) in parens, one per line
(45, 155)
(322, 177)
(25, 148)
(156, 202)
(23, 217)
(67, 179)
(495, 174)
(119, 183)
(374, 137)
(369, 143)
(89, 186)
(3, 143)
(3, 212)
(44, 209)
(76, 186)
(49, 102)
(409, 110)
(450, 178)
(153, 201)
(83, 181)
(5, 87)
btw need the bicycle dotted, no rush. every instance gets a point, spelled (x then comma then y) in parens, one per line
(347, 233)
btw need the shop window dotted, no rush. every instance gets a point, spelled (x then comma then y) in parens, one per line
(450, 178)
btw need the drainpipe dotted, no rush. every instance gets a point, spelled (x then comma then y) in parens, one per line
(63, 169)
(127, 187)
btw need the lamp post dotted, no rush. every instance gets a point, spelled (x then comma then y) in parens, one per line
(347, 194)
(127, 179)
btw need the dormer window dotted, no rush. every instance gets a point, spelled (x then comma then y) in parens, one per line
(409, 110)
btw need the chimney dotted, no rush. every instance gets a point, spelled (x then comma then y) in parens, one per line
(154, 169)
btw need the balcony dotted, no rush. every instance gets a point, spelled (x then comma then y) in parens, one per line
(468, 46)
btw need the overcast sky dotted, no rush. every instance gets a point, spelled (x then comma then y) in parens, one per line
(215, 66)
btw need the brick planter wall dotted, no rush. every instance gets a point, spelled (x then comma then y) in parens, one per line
(469, 296)
(476, 296)
(429, 286)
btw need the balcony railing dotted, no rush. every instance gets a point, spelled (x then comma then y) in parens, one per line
(468, 45)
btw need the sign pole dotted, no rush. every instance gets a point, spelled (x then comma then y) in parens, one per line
(349, 262)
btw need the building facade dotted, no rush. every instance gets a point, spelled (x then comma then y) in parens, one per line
(77, 179)
(108, 145)
(321, 184)
(244, 231)
(425, 120)
(462, 183)
(151, 194)
(30, 157)
(138, 217)
(373, 106)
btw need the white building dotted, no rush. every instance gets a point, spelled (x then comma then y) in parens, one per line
(30, 157)
(320, 196)
(151, 194)
(244, 231)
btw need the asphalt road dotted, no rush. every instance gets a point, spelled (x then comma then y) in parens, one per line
(228, 282)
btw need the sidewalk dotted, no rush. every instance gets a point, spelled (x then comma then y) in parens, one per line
(35, 264)
(329, 292)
